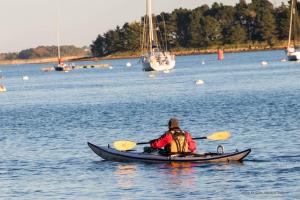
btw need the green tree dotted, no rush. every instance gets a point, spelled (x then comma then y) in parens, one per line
(196, 37)
(225, 15)
(131, 36)
(246, 18)
(210, 30)
(98, 46)
(236, 35)
(169, 28)
(282, 21)
(203, 27)
(264, 21)
(112, 41)
(27, 53)
(183, 26)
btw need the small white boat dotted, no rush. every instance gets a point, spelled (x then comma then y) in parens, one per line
(25, 78)
(128, 64)
(283, 60)
(151, 76)
(264, 63)
(199, 82)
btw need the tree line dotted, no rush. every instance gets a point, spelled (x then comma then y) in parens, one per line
(45, 52)
(204, 27)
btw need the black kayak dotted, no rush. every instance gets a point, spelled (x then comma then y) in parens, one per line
(108, 153)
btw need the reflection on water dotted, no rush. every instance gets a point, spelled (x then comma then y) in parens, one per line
(180, 174)
(125, 175)
(180, 168)
(125, 169)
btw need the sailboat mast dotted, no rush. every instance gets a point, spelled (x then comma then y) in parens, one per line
(149, 13)
(58, 44)
(58, 33)
(291, 23)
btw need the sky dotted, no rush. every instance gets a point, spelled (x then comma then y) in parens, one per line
(30, 23)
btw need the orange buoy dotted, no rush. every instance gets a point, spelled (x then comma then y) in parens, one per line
(220, 54)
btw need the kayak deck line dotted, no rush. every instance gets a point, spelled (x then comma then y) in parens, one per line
(108, 153)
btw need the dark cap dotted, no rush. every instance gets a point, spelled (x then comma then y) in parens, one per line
(173, 123)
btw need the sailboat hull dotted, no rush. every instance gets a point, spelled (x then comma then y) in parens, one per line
(148, 66)
(62, 67)
(158, 61)
(293, 56)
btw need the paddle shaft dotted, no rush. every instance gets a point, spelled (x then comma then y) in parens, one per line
(196, 138)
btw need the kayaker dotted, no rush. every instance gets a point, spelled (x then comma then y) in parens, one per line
(174, 140)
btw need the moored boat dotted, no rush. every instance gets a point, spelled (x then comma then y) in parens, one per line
(292, 53)
(108, 153)
(293, 50)
(154, 56)
(60, 66)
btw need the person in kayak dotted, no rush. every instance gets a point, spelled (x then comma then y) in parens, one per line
(174, 140)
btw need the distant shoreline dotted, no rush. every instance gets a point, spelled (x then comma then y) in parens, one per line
(178, 52)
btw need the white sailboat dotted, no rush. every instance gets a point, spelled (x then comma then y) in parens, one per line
(154, 58)
(293, 51)
(60, 66)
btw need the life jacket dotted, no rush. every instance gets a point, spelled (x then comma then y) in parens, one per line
(179, 143)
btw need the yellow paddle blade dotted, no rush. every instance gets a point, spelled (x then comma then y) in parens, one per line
(219, 135)
(124, 145)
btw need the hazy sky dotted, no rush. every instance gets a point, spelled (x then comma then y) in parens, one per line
(29, 23)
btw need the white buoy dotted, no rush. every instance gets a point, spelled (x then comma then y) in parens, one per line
(128, 64)
(264, 63)
(151, 76)
(199, 82)
(25, 78)
(203, 62)
(283, 60)
(110, 67)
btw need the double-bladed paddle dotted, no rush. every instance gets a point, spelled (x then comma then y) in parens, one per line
(125, 145)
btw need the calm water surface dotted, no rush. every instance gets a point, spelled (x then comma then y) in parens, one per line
(46, 121)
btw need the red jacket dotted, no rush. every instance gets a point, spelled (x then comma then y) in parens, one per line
(166, 139)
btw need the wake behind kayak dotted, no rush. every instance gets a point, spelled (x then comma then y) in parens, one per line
(112, 154)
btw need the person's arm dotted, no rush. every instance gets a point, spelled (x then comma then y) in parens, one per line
(191, 142)
(162, 141)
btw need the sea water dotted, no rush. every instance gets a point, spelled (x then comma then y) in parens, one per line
(46, 122)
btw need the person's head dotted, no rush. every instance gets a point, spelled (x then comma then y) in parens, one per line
(173, 123)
